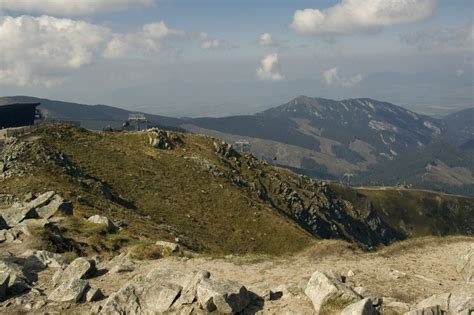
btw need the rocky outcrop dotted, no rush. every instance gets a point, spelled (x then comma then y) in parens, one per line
(459, 301)
(226, 150)
(165, 290)
(41, 259)
(103, 220)
(72, 290)
(19, 279)
(363, 307)
(323, 287)
(4, 280)
(44, 206)
(80, 268)
(222, 296)
(466, 265)
(162, 139)
(169, 246)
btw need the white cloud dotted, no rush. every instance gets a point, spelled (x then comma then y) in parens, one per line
(72, 7)
(331, 76)
(265, 39)
(146, 41)
(40, 50)
(459, 73)
(442, 39)
(205, 42)
(267, 70)
(352, 16)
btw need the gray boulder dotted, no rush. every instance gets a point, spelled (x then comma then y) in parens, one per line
(80, 268)
(7, 236)
(459, 301)
(41, 259)
(55, 205)
(19, 280)
(466, 265)
(323, 287)
(432, 310)
(17, 213)
(4, 280)
(70, 291)
(169, 246)
(161, 290)
(94, 294)
(363, 307)
(3, 224)
(223, 296)
(102, 220)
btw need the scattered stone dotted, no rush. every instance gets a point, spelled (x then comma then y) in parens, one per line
(225, 149)
(72, 290)
(7, 236)
(466, 265)
(57, 204)
(350, 274)
(4, 280)
(169, 246)
(41, 259)
(94, 294)
(323, 287)
(363, 307)
(433, 310)
(162, 139)
(395, 307)
(3, 224)
(223, 296)
(103, 220)
(80, 268)
(18, 213)
(458, 301)
(19, 280)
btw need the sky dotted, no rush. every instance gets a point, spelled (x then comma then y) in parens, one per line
(228, 57)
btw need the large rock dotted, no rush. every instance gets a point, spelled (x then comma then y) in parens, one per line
(17, 213)
(70, 291)
(19, 279)
(169, 246)
(3, 224)
(466, 265)
(44, 206)
(459, 301)
(363, 307)
(161, 290)
(223, 296)
(323, 287)
(432, 310)
(55, 205)
(41, 259)
(80, 268)
(4, 280)
(102, 220)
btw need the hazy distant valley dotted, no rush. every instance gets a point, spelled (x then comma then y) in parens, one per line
(360, 142)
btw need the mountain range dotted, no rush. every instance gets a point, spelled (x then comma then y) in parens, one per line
(357, 141)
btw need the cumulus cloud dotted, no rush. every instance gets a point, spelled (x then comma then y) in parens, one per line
(350, 16)
(40, 50)
(331, 76)
(146, 41)
(72, 7)
(268, 68)
(442, 39)
(205, 42)
(265, 39)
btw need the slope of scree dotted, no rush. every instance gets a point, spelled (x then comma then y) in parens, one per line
(164, 185)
